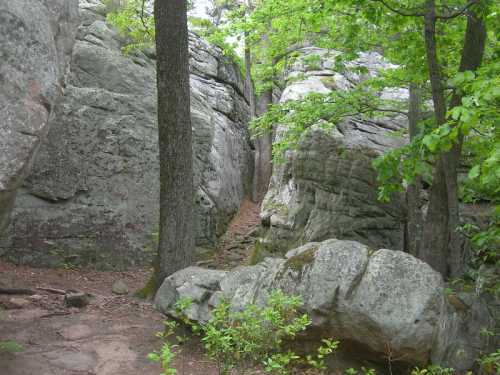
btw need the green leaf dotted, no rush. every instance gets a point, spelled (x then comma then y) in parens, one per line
(474, 172)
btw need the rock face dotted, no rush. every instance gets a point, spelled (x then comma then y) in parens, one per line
(36, 38)
(469, 319)
(93, 191)
(327, 187)
(377, 300)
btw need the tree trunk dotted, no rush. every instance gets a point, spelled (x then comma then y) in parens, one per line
(436, 228)
(414, 216)
(472, 56)
(263, 152)
(442, 245)
(176, 242)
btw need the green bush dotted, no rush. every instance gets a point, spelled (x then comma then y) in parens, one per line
(490, 363)
(250, 337)
(255, 334)
(10, 347)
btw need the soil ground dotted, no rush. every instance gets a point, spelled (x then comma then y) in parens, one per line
(110, 336)
(236, 244)
(113, 334)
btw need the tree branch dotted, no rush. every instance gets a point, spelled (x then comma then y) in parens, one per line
(458, 12)
(401, 12)
(415, 13)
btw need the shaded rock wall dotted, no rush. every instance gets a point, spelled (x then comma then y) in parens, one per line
(92, 195)
(327, 187)
(36, 38)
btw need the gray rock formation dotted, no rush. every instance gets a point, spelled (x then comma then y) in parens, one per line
(327, 187)
(382, 301)
(92, 195)
(36, 38)
(470, 324)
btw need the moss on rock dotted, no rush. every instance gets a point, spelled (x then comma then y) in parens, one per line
(299, 261)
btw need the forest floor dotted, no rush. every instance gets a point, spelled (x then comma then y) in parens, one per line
(113, 334)
(236, 244)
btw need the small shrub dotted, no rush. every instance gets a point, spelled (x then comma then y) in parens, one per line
(364, 371)
(433, 370)
(255, 334)
(165, 357)
(318, 361)
(10, 347)
(490, 363)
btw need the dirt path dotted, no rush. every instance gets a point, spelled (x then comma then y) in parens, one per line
(110, 336)
(235, 245)
(114, 333)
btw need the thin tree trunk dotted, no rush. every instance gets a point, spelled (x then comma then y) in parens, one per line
(414, 216)
(436, 228)
(472, 56)
(442, 247)
(248, 81)
(263, 151)
(176, 243)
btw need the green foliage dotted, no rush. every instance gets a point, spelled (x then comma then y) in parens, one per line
(364, 371)
(133, 22)
(319, 111)
(433, 370)
(256, 335)
(318, 361)
(490, 363)
(280, 363)
(165, 357)
(10, 347)
(313, 62)
(485, 242)
(248, 336)
(220, 37)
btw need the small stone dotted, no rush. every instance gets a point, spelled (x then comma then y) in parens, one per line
(18, 303)
(76, 332)
(119, 287)
(76, 299)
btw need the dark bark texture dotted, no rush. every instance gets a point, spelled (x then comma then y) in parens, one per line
(442, 245)
(176, 243)
(414, 216)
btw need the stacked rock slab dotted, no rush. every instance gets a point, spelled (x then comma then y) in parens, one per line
(92, 196)
(378, 303)
(327, 187)
(36, 38)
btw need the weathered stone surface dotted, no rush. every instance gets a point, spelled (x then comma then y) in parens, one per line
(92, 196)
(119, 287)
(196, 283)
(469, 319)
(382, 300)
(327, 187)
(36, 38)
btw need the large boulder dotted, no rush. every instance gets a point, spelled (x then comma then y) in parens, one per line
(92, 196)
(36, 37)
(377, 303)
(327, 187)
